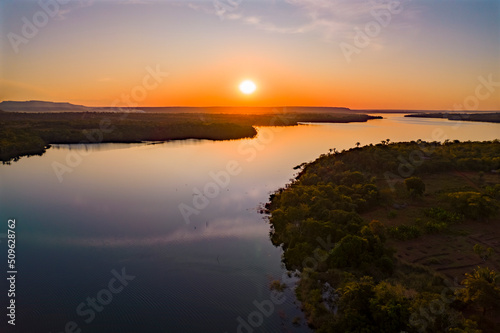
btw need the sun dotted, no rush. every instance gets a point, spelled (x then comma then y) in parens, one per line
(247, 87)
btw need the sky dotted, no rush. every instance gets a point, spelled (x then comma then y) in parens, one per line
(361, 54)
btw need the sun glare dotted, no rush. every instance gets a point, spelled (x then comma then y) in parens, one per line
(247, 87)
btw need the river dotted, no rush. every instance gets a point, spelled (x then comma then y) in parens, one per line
(168, 237)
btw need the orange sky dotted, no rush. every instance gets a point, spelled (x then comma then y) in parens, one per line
(429, 56)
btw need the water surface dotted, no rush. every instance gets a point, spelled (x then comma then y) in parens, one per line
(117, 207)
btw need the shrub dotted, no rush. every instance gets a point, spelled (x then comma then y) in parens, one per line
(433, 227)
(473, 205)
(415, 186)
(493, 191)
(349, 252)
(405, 232)
(443, 215)
(392, 214)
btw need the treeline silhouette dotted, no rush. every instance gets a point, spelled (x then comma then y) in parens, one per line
(31, 133)
(490, 117)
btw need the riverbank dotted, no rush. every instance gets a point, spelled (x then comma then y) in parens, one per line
(490, 117)
(404, 239)
(24, 134)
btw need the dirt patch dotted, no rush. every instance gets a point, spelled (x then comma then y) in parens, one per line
(449, 252)
(453, 254)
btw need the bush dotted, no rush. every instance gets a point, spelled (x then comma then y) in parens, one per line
(349, 252)
(405, 232)
(415, 186)
(473, 205)
(493, 191)
(433, 227)
(443, 215)
(392, 214)
(386, 264)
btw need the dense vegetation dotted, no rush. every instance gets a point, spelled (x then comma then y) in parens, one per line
(30, 133)
(353, 276)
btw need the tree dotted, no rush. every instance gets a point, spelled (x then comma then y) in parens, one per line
(415, 186)
(377, 228)
(357, 144)
(390, 307)
(469, 326)
(354, 304)
(349, 252)
(473, 205)
(482, 288)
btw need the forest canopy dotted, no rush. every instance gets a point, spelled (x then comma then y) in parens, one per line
(335, 198)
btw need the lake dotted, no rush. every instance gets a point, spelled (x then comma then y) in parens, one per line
(168, 237)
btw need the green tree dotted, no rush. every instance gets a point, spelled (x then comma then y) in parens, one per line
(390, 308)
(469, 326)
(482, 288)
(349, 252)
(377, 228)
(473, 205)
(415, 186)
(354, 304)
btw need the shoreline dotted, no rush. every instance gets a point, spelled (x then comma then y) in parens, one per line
(487, 117)
(28, 134)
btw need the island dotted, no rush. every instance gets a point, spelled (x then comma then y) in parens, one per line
(489, 117)
(395, 237)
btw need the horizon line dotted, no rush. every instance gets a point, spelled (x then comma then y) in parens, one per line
(278, 106)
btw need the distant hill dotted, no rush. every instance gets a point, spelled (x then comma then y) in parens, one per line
(41, 106)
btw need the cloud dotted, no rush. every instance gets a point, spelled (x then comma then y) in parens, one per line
(217, 229)
(71, 6)
(138, 2)
(65, 10)
(332, 20)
